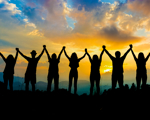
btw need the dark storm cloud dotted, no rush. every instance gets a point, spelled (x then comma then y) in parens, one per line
(116, 36)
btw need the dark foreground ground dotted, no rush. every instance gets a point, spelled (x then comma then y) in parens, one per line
(118, 104)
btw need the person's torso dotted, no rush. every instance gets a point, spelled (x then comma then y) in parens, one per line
(9, 68)
(117, 65)
(74, 64)
(95, 67)
(32, 66)
(53, 66)
(141, 65)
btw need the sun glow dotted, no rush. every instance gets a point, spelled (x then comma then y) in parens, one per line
(107, 70)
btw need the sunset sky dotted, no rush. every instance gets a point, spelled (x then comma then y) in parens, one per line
(76, 24)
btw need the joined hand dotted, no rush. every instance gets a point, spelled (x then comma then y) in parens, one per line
(17, 49)
(86, 50)
(44, 46)
(131, 46)
(104, 46)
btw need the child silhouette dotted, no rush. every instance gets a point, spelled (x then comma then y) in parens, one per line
(117, 72)
(74, 64)
(53, 69)
(9, 69)
(95, 73)
(30, 74)
(141, 72)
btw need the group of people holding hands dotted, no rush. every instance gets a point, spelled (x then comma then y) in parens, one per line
(117, 71)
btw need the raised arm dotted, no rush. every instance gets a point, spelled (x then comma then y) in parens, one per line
(111, 57)
(101, 56)
(49, 58)
(41, 52)
(124, 56)
(82, 56)
(27, 58)
(16, 55)
(2, 56)
(61, 53)
(66, 54)
(133, 55)
(88, 55)
(147, 57)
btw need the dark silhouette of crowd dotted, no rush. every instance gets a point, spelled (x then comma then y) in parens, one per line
(53, 72)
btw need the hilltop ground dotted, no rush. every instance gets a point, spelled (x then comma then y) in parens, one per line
(63, 104)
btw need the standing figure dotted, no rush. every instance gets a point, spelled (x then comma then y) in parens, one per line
(117, 72)
(30, 74)
(141, 72)
(53, 69)
(9, 70)
(74, 64)
(95, 72)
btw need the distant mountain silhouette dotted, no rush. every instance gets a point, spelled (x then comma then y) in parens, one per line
(83, 85)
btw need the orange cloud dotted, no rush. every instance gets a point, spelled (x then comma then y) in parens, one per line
(140, 6)
(142, 47)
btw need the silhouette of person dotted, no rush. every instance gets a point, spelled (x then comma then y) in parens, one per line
(74, 64)
(53, 69)
(141, 72)
(117, 72)
(30, 74)
(95, 73)
(9, 70)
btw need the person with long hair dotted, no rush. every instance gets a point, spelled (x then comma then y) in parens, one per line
(30, 74)
(74, 64)
(95, 72)
(141, 72)
(53, 69)
(8, 74)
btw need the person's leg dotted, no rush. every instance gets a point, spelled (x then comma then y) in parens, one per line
(92, 84)
(27, 82)
(114, 81)
(33, 82)
(144, 80)
(5, 81)
(138, 80)
(56, 82)
(75, 82)
(33, 87)
(49, 83)
(97, 85)
(27, 86)
(120, 81)
(70, 80)
(11, 82)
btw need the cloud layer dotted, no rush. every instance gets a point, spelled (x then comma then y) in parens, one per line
(77, 24)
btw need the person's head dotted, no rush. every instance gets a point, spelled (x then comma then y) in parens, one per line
(54, 56)
(33, 53)
(95, 57)
(74, 56)
(10, 58)
(141, 56)
(117, 54)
